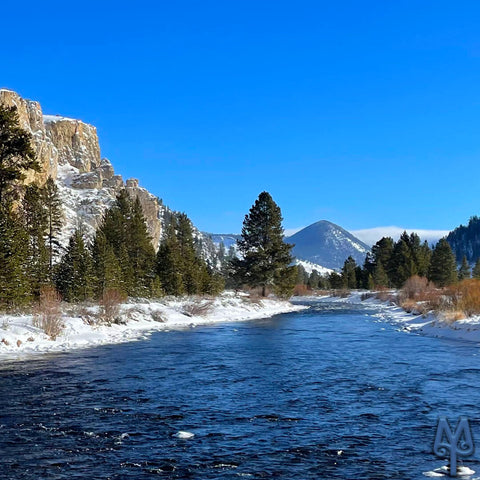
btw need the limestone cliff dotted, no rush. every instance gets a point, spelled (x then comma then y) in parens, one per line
(68, 150)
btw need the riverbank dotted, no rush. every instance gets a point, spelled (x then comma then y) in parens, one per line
(19, 338)
(427, 324)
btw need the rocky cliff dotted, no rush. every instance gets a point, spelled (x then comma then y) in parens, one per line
(69, 152)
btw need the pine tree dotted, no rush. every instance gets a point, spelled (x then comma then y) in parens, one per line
(443, 268)
(402, 264)
(265, 255)
(349, 273)
(35, 224)
(15, 288)
(125, 232)
(476, 269)
(141, 251)
(16, 153)
(74, 276)
(382, 252)
(464, 270)
(169, 262)
(107, 271)
(54, 214)
(380, 278)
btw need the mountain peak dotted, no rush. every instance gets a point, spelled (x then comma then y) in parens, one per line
(327, 244)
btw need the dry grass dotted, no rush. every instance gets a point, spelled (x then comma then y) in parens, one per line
(465, 296)
(110, 305)
(451, 316)
(48, 314)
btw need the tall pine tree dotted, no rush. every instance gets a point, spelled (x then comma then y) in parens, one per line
(443, 268)
(265, 256)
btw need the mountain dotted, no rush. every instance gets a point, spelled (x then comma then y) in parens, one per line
(327, 244)
(68, 150)
(465, 241)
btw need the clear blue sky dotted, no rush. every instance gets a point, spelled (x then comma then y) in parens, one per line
(364, 113)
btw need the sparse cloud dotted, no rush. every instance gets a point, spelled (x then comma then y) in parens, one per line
(371, 235)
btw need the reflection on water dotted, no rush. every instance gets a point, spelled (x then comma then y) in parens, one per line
(325, 393)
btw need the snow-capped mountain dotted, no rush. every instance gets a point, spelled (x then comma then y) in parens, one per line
(326, 244)
(68, 150)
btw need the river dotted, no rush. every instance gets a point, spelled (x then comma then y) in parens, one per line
(329, 392)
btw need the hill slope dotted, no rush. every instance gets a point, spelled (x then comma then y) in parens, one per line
(327, 244)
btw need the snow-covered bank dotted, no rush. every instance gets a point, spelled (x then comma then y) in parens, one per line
(430, 324)
(19, 338)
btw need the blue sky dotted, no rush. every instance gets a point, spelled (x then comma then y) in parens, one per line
(362, 113)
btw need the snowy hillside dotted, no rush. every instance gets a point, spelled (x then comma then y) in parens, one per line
(327, 244)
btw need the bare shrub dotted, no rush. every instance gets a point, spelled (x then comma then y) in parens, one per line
(415, 288)
(5, 342)
(48, 315)
(110, 305)
(196, 308)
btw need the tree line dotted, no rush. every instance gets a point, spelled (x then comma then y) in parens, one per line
(390, 264)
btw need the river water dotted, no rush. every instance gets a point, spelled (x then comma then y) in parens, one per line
(331, 392)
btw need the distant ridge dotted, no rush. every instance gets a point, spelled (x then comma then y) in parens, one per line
(327, 244)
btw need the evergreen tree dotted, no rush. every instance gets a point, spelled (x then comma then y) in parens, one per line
(15, 288)
(349, 271)
(302, 276)
(191, 266)
(74, 278)
(423, 259)
(16, 153)
(402, 263)
(265, 256)
(382, 252)
(314, 280)
(169, 263)
(35, 224)
(464, 270)
(141, 251)
(443, 268)
(54, 215)
(107, 271)
(476, 269)
(380, 278)
(125, 232)
(335, 280)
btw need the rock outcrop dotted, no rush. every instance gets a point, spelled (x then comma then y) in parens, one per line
(68, 150)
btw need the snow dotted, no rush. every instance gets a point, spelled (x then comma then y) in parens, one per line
(57, 118)
(19, 338)
(310, 267)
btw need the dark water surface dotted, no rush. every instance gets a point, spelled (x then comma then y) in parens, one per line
(326, 393)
